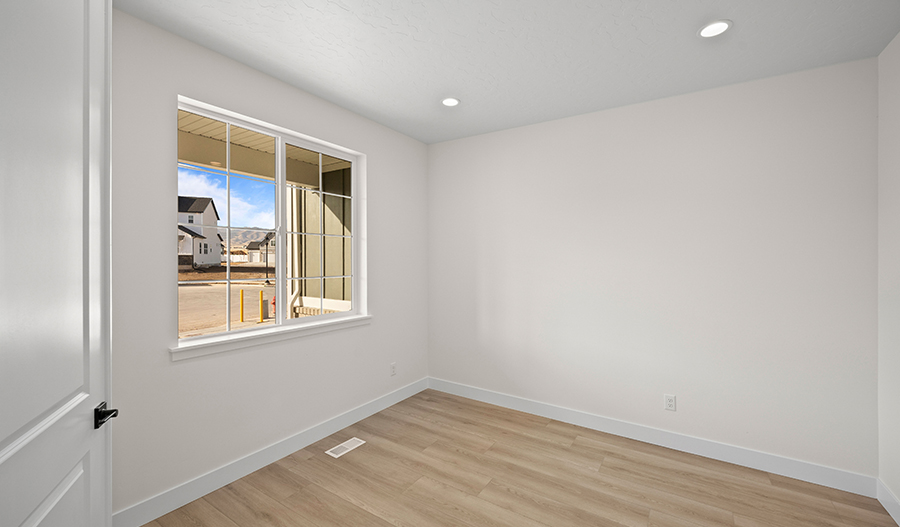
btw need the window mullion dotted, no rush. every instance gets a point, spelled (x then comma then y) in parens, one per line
(280, 230)
(355, 255)
(227, 226)
(321, 240)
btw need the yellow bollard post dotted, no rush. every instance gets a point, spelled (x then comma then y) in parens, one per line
(261, 306)
(242, 305)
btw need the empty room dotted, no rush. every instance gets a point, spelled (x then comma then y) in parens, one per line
(458, 263)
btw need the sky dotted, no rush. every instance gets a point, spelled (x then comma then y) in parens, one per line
(252, 201)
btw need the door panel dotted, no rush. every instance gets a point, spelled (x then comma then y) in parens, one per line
(42, 171)
(41, 459)
(65, 505)
(54, 344)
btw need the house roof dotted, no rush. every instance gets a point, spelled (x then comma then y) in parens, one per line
(196, 205)
(191, 233)
(253, 246)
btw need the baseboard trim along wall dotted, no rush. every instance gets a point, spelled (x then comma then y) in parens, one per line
(889, 501)
(810, 472)
(174, 498)
(166, 502)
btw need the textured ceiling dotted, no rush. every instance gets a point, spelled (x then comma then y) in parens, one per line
(517, 62)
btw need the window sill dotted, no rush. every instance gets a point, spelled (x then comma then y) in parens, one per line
(201, 346)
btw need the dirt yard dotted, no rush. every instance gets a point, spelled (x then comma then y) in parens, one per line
(238, 272)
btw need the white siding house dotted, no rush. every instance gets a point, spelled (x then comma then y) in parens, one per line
(199, 242)
(257, 250)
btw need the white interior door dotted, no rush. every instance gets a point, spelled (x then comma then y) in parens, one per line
(54, 345)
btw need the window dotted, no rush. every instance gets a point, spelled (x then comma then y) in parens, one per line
(283, 206)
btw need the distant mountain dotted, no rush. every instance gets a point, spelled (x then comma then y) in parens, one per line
(240, 238)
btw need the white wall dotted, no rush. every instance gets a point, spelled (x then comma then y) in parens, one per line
(889, 267)
(719, 246)
(181, 420)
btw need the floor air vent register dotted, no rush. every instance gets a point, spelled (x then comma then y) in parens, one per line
(345, 447)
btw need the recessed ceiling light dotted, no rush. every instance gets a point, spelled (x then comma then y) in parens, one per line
(215, 163)
(450, 101)
(715, 28)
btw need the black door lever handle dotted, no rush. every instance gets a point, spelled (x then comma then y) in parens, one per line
(102, 415)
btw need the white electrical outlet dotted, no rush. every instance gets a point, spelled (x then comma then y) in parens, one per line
(393, 369)
(669, 402)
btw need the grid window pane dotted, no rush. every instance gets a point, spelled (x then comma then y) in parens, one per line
(304, 256)
(252, 254)
(201, 309)
(337, 256)
(335, 175)
(201, 140)
(252, 203)
(200, 253)
(252, 153)
(337, 295)
(337, 215)
(303, 210)
(301, 167)
(251, 304)
(304, 298)
(201, 196)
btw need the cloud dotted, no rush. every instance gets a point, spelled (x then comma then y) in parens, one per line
(246, 211)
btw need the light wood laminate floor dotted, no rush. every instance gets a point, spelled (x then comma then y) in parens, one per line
(438, 460)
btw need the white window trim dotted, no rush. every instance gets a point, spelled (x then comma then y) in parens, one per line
(234, 340)
(290, 328)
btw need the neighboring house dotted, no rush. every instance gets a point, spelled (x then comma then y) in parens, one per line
(262, 250)
(199, 242)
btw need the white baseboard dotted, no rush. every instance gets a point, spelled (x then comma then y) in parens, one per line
(811, 472)
(174, 498)
(152, 508)
(889, 501)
